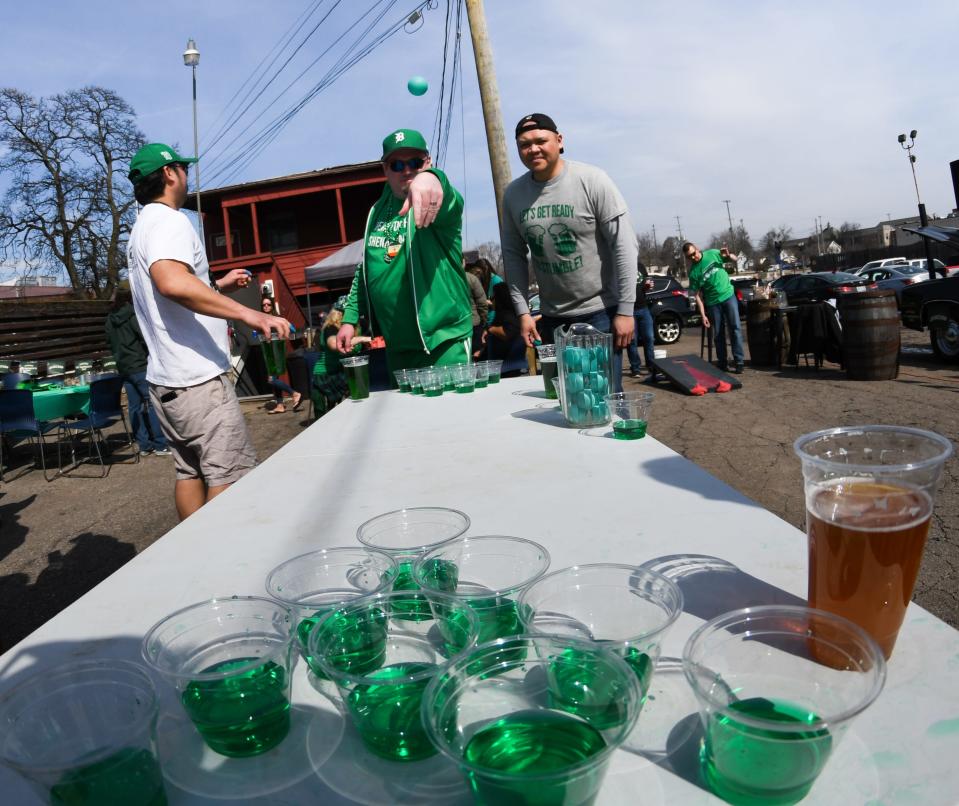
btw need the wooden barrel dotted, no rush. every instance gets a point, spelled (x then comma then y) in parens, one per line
(870, 335)
(760, 332)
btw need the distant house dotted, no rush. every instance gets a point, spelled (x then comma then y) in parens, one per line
(277, 227)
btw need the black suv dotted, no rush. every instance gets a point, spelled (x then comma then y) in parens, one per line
(671, 307)
(935, 304)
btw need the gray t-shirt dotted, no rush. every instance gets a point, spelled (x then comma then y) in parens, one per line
(576, 230)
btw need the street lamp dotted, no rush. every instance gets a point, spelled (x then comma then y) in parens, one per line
(191, 58)
(923, 219)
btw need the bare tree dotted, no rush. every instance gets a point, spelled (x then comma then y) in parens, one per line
(68, 206)
(736, 240)
(491, 251)
(778, 235)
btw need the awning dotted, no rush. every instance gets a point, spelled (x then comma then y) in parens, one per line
(340, 264)
(949, 235)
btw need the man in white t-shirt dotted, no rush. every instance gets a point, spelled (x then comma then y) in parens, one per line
(183, 319)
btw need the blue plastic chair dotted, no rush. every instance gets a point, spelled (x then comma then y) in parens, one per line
(18, 421)
(105, 410)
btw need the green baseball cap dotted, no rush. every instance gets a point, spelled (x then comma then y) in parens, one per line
(151, 157)
(404, 138)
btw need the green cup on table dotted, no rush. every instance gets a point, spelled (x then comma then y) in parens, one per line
(357, 368)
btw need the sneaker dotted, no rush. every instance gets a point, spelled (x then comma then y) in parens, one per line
(162, 452)
(738, 369)
(145, 453)
(635, 373)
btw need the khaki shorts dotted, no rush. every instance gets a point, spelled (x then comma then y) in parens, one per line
(206, 431)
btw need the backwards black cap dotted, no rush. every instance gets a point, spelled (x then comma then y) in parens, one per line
(536, 121)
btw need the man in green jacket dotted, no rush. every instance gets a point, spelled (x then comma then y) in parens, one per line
(411, 285)
(716, 299)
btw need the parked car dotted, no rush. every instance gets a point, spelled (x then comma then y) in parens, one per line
(921, 263)
(745, 290)
(820, 286)
(876, 264)
(671, 307)
(935, 305)
(896, 277)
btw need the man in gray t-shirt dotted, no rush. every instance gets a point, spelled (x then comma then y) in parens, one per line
(571, 221)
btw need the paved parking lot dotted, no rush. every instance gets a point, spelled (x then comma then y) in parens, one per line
(59, 540)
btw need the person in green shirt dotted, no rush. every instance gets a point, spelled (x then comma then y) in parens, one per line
(715, 296)
(411, 285)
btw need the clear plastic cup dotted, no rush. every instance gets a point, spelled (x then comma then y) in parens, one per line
(495, 370)
(405, 534)
(777, 688)
(630, 413)
(447, 373)
(549, 368)
(481, 374)
(314, 584)
(382, 666)
(230, 661)
(488, 573)
(402, 380)
(541, 701)
(84, 734)
(464, 378)
(416, 380)
(357, 368)
(432, 381)
(870, 492)
(623, 607)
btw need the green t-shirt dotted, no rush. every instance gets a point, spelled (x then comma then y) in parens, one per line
(710, 276)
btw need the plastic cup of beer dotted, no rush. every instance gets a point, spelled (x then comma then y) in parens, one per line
(464, 378)
(230, 661)
(402, 380)
(495, 370)
(513, 739)
(630, 413)
(549, 367)
(84, 734)
(772, 710)
(488, 573)
(314, 584)
(357, 369)
(405, 534)
(625, 608)
(481, 374)
(382, 665)
(432, 381)
(870, 492)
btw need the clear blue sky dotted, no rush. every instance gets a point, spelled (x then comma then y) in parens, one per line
(790, 110)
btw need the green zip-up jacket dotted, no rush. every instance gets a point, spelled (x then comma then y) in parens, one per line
(411, 284)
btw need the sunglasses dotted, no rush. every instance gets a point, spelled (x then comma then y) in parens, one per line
(414, 164)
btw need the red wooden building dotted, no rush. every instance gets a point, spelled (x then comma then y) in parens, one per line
(278, 227)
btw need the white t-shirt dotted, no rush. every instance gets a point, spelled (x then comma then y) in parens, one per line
(186, 348)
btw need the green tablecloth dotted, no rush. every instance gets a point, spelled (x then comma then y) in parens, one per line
(56, 403)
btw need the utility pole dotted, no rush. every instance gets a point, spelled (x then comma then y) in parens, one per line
(655, 244)
(729, 216)
(489, 95)
(682, 254)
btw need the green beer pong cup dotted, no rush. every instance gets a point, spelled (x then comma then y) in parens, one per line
(274, 352)
(495, 370)
(416, 380)
(464, 378)
(630, 413)
(491, 724)
(402, 380)
(230, 662)
(382, 680)
(84, 734)
(432, 381)
(357, 369)
(481, 375)
(777, 688)
(314, 584)
(405, 534)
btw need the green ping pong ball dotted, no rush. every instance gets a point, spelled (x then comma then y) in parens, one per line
(417, 85)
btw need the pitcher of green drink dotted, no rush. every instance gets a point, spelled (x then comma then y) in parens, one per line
(584, 359)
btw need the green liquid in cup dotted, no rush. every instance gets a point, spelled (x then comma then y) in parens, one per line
(128, 776)
(586, 685)
(549, 373)
(387, 715)
(535, 743)
(629, 429)
(494, 378)
(414, 608)
(360, 639)
(435, 392)
(481, 383)
(405, 386)
(358, 379)
(744, 764)
(416, 388)
(241, 715)
(464, 388)
(448, 386)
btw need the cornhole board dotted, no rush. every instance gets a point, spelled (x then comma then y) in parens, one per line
(695, 376)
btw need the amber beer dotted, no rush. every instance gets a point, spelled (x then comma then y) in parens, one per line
(865, 546)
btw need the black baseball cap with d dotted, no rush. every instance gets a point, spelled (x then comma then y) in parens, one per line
(404, 138)
(152, 157)
(536, 120)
